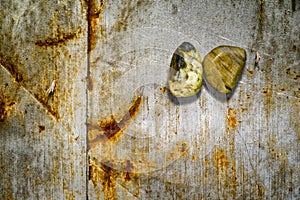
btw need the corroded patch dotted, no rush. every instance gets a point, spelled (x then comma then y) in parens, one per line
(5, 108)
(108, 173)
(94, 16)
(60, 38)
(11, 66)
(223, 66)
(185, 76)
(111, 129)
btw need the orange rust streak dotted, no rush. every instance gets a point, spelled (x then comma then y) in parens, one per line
(6, 104)
(4, 109)
(220, 160)
(231, 119)
(94, 14)
(106, 176)
(60, 39)
(232, 122)
(132, 112)
(107, 172)
(111, 129)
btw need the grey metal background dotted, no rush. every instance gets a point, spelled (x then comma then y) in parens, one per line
(102, 54)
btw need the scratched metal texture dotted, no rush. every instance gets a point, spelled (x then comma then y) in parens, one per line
(110, 129)
(43, 136)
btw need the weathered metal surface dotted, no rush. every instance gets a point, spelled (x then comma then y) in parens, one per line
(205, 147)
(42, 105)
(141, 142)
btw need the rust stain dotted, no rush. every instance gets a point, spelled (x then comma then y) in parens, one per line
(292, 72)
(244, 109)
(60, 38)
(275, 152)
(69, 195)
(163, 89)
(53, 110)
(225, 162)
(231, 118)
(261, 190)
(251, 72)
(194, 158)
(206, 161)
(106, 173)
(6, 105)
(128, 170)
(41, 128)
(180, 150)
(19, 78)
(248, 96)
(94, 15)
(220, 160)
(265, 91)
(226, 171)
(109, 180)
(110, 129)
(233, 178)
(226, 165)
(7, 63)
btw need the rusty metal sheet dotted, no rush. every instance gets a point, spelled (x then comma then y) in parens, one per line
(145, 143)
(42, 104)
(85, 110)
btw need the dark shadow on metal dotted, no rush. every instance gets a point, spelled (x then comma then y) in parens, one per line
(213, 92)
(183, 100)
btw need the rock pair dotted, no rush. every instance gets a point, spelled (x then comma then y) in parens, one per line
(221, 68)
